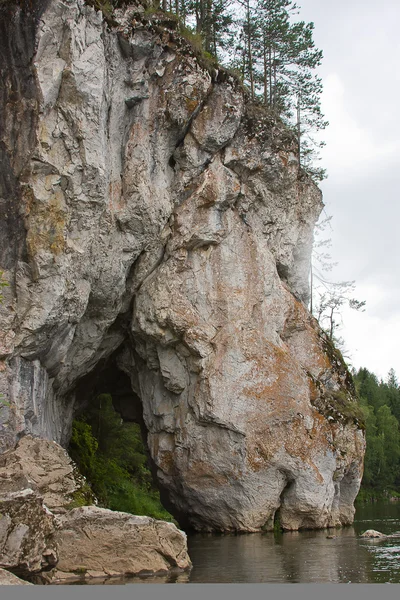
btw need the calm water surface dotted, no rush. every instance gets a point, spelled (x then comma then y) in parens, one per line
(303, 557)
(295, 557)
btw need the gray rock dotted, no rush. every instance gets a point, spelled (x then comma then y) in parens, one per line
(97, 542)
(172, 242)
(371, 533)
(43, 466)
(27, 533)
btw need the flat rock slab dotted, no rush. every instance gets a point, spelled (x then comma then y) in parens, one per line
(99, 541)
(7, 578)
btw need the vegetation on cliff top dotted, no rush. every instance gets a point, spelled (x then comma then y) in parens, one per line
(261, 42)
(111, 455)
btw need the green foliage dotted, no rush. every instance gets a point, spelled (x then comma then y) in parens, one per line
(273, 52)
(277, 524)
(346, 409)
(82, 497)
(111, 455)
(380, 402)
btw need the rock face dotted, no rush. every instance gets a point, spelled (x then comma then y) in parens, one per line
(97, 542)
(160, 234)
(46, 468)
(27, 533)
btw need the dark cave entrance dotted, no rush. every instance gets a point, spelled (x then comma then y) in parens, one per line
(106, 394)
(107, 378)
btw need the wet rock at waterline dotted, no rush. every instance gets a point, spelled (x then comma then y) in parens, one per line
(7, 578)
(95, 541)
(371, 533)
(158, 234)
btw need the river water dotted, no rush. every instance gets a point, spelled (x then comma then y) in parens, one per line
(295, 557)
(305, 556)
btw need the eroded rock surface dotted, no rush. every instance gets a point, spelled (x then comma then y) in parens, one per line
(88, 541)
(167, 231)
(97, 542)
(27, 533)
(45, 467)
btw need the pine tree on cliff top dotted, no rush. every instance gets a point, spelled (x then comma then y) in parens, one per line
(278, 61)
(275, 55)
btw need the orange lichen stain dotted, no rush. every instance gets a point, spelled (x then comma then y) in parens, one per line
(274, 389)
(208, 195)
(284, 158)
(166, 462)
(297, 444)
(200, 473)
(46, 225)
(191, 104)
(116, 199)
(298, 320)
(259, 454)
(314, 393)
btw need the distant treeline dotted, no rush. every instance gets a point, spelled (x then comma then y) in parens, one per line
(380, 402)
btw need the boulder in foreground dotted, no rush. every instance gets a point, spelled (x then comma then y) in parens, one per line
(97, 542)
(27, 528)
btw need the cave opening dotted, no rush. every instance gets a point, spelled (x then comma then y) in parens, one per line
(108, 443)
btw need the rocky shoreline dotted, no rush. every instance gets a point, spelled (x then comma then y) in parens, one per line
(43, 541)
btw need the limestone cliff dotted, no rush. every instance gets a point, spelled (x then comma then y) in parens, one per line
(156, 234)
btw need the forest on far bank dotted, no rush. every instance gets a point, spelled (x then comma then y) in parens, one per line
(380, 402)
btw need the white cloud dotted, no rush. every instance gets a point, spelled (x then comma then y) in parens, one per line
(351, 149)
(371, 337)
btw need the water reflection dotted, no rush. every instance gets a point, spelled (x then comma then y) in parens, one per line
(303, 557)
(177, 577)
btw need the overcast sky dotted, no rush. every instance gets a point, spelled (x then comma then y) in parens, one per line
(361, 74)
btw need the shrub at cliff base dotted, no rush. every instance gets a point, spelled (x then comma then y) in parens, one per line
(111, 455)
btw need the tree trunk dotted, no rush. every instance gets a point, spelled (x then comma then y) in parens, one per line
(207, 26)
(331, 321)
(265, 71)
(274, 86)
(249, 52)
(298, 129)
(270, 73)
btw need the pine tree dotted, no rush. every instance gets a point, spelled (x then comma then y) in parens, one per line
(275, 49)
